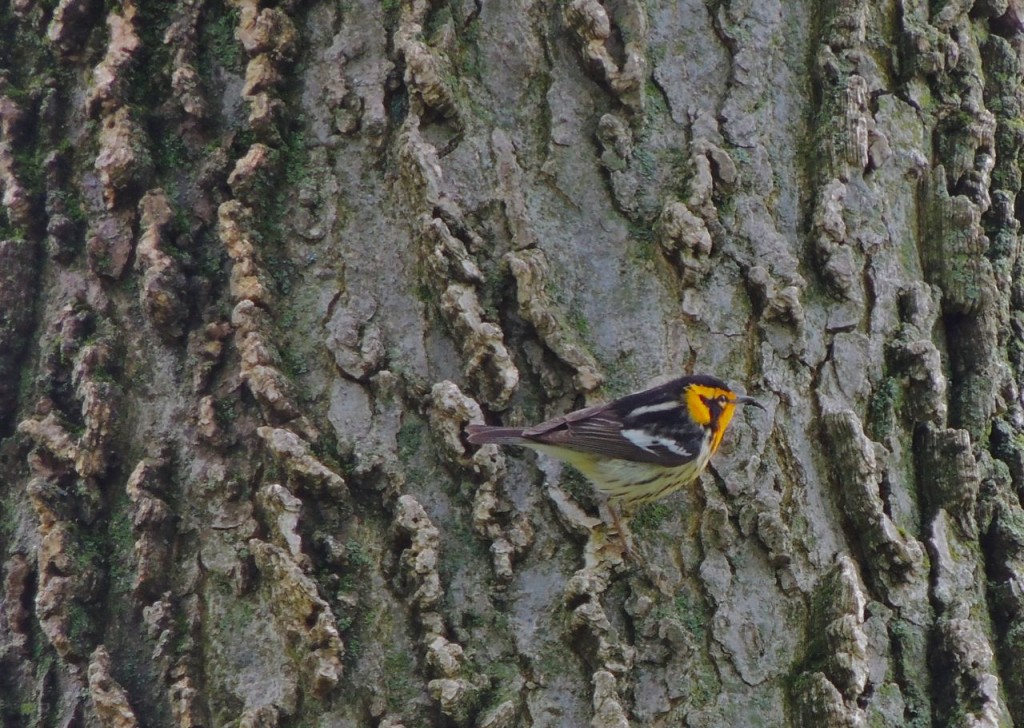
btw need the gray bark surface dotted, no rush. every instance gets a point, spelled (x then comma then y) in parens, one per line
(261, 263)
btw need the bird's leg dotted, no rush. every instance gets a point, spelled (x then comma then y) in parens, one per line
(653, 573)
(621, 527)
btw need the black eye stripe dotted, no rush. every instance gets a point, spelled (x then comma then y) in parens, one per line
(716, 401)
(715, 406)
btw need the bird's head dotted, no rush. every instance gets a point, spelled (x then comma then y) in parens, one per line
(711, 404)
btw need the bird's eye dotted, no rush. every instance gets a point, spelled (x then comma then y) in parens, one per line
(722, 399)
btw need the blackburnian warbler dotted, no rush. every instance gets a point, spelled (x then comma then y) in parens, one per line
(639, 448)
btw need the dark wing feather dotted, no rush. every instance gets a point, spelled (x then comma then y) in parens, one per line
(622, 429)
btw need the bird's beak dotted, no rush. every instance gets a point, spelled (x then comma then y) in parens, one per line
(750, 400)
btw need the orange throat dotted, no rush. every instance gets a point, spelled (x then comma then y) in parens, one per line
(723, 424)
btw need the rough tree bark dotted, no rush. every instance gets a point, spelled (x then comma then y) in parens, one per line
(261, 263)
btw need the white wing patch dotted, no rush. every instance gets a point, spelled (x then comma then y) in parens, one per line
(647, 409)
(645, 441)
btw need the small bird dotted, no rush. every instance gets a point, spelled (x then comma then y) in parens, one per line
(639, 448)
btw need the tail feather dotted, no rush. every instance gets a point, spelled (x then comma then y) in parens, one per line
(486, 434)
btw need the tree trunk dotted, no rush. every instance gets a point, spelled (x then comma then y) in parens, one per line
(260, 265)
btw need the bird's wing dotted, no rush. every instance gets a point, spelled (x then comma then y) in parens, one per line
(604, 431)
